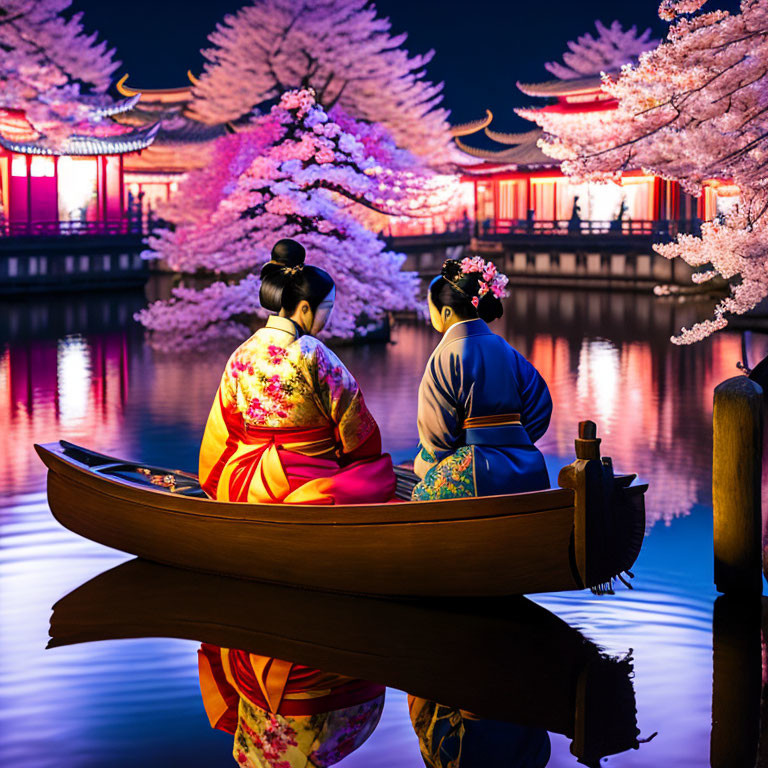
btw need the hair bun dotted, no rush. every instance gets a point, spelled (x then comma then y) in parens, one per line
(288, 253)
(287, 258)
(490, 308)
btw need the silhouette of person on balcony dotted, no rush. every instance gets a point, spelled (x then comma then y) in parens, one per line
(616, 224)
(574, 223)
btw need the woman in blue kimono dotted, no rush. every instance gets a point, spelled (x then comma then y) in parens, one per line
(482, 405)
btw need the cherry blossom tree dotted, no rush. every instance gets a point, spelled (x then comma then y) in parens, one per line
(298, 172)
(694, 109)
(49, 64)
(612, 48)
(342, 50)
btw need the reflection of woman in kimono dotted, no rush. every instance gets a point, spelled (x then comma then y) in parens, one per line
(284, 715)
(453, 738)
(289, 423)
(482, 405)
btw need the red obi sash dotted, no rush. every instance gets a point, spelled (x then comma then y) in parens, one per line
(285, 465)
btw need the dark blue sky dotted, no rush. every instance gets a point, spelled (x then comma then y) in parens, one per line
(483, 47)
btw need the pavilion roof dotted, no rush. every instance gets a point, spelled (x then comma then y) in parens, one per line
(105, 106)
(488, 167)
(170, 108)
(526, 154)
(132, 141)
(467, 129)
(514, 139)
(562, 87)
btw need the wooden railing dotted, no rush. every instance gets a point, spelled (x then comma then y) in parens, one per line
(133, 226)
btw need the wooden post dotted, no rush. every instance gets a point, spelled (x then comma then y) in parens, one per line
(736, 474)
(581, 475)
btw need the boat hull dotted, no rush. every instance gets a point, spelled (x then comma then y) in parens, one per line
(567, 538)
(506, 551)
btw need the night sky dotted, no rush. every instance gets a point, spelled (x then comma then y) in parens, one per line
(483, 47)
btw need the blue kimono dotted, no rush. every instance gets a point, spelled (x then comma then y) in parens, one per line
(482, 406)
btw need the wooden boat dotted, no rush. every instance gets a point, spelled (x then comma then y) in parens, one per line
(580, 535)
(502, 658)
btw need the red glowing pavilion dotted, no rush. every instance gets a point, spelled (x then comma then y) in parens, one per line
(70, 186)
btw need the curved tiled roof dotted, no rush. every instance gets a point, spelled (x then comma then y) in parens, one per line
(132, 141)
(467, 129)
(561, 87)
(513, 138)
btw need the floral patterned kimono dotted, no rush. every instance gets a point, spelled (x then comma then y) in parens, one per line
(482, 406)
(285, 715)
(289, 424)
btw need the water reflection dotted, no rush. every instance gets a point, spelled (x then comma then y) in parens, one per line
(282, 714)
(739, 682)
(452, 738)
(507, 665)
(606, 356)
(64, 369)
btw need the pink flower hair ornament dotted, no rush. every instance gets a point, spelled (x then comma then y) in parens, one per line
(490, 278)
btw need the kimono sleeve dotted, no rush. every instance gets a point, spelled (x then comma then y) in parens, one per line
(536, 401)
(220, 699)
(212, 447)
(440, 413)
(341, 399)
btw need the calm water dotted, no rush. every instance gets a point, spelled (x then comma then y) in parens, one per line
(78, 368)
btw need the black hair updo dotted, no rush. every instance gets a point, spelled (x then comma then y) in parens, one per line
(456, 289)
(286, 280)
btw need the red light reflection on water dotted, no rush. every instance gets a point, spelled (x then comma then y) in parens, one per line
(73, 388)
(654, 413)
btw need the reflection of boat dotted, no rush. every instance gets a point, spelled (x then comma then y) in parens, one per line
(500, 658)
(580, 535)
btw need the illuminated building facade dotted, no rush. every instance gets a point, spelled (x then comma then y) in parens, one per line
(516, 185)
(74, 186)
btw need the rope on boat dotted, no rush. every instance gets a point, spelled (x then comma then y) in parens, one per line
(606, 587)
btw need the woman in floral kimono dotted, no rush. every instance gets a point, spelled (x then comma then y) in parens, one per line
(285, 715)
(482, 405)
(289, 423)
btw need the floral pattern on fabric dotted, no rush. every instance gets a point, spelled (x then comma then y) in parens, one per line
(427, 456)
(266, 740)
(453, 477)
(275, 381)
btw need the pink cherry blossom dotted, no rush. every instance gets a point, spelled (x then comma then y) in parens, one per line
(693, 110)
(340, 48)
(51, 69)
(268, 184)
(608, 52)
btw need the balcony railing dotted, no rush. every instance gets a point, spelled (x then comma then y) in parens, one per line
(661, 229)
(132, 226)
